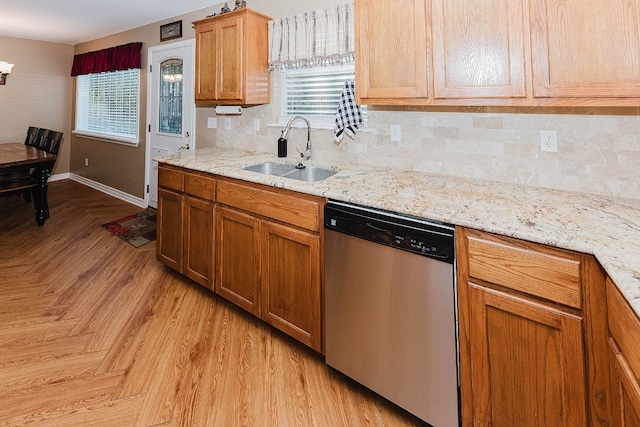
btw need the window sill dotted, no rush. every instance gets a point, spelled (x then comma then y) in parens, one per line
(107, 138)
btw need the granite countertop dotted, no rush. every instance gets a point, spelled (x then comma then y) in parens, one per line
(608, 228)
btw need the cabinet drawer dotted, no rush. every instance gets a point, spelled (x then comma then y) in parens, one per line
(292, 208)
(169, 177)
(200, 185)
(527, 267)
(624, 327)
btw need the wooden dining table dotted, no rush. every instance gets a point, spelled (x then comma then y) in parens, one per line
(18, 159)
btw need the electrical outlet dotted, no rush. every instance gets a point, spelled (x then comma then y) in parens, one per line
(256, 124)
(549, 141)
(227, 123)
(396, 133)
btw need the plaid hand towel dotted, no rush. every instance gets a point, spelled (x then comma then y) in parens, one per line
(348, 116)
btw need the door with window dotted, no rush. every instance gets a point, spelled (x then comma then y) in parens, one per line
(171, 107)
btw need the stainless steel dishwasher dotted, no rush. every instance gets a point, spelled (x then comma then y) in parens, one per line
(391, 308)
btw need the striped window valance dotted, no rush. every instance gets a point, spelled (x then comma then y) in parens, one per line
(321, 37)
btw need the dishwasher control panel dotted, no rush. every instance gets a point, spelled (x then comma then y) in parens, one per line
(404, 232)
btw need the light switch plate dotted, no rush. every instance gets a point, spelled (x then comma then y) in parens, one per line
(396, 133)
(212, 122)
(256, 124)
(227, 123)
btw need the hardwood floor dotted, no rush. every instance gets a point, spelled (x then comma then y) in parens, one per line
(94, 332)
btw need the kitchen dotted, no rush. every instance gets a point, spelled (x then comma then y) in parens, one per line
(597, 145)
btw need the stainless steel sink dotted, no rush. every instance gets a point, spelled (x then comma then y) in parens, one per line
(287, 170)
(271, 168)
(310, 174)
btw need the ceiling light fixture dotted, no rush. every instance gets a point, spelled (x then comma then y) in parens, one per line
(5, 70)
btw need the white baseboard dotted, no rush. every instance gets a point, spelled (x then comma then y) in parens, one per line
(59, 177)
(104, 188)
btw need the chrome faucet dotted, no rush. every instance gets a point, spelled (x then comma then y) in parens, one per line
(306, 154)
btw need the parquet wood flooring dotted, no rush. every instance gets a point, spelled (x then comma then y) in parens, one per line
(95, 332)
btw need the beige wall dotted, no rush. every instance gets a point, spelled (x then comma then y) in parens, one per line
(38, 92)
(119, 166)
(123, 167)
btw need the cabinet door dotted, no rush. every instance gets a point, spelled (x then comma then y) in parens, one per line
(206, 51)
(238, 259)
(478, 48)
(229, 69)
(586, 48)
(625, 389)
(624, 356)
(527, 363)
(391, 49)
(199, 229)
(169, 250)
(291, 282)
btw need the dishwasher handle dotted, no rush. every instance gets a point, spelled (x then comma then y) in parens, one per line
(370, 225)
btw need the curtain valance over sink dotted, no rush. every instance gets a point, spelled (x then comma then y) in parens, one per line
(321, 37)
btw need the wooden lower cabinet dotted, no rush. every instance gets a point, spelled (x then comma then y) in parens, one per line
(271, 270)
(268, 257)
(625, 390)
(169, 233)
(238, 259)
(258, 247)
(624, 342)
(186, 227)
(291, 282)
(199, 228)
(526, 363)
(533, 334)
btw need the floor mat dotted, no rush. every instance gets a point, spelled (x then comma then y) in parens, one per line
(137, 229)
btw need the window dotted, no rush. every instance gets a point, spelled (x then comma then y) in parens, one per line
(315, 93)
(107, 106)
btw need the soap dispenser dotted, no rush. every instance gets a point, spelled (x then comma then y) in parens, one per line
(282, 146)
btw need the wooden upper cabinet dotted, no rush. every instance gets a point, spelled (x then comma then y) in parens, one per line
(206, 61)
(498, 52)
(479, 48)
(586, 48)
(232, 59)
(391, 50)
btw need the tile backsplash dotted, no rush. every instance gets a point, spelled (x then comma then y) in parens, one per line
(598, 149)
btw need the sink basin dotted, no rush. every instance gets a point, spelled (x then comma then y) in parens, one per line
(286, 170)
(271, 168)
(310, 174)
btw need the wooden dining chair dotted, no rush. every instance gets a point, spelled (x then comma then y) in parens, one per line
(44, 133)
(51, 142)
(33, 134)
